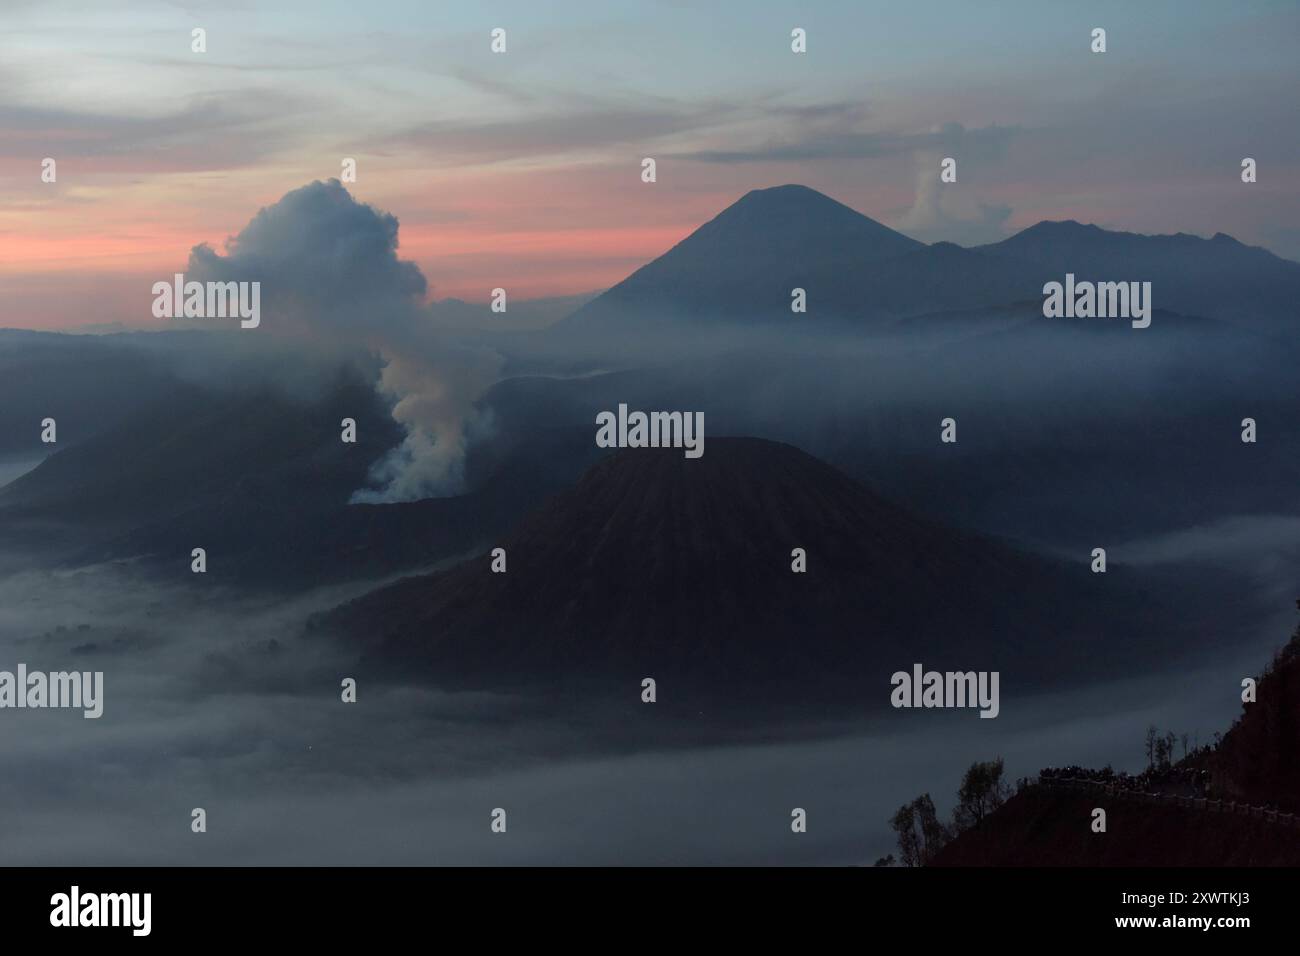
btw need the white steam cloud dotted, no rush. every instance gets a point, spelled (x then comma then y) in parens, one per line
(949, 214)
(330, 275)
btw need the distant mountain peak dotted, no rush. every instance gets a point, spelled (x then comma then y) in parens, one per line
(802, 208)
(1063, 227)
(786, 189)
(787, 196)
(744, 262)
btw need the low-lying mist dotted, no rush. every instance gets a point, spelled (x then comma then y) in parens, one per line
(216, 701)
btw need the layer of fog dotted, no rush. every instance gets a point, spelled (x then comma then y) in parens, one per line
(213, 701)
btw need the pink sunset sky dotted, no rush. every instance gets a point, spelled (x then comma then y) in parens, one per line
(522, 169)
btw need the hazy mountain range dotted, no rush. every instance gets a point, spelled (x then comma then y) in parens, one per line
(743, 264)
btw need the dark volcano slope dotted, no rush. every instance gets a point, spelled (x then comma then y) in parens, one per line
(655, 565)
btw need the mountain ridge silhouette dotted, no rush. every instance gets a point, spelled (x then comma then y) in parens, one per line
(745, 263)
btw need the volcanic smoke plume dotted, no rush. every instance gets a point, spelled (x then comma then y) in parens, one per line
(331, 278)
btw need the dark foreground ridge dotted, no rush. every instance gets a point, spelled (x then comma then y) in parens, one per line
(1049, 826)
(1245, 813)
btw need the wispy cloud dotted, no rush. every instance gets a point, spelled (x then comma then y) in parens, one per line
(216, 131)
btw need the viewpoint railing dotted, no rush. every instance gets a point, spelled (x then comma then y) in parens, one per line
(1171, 799)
